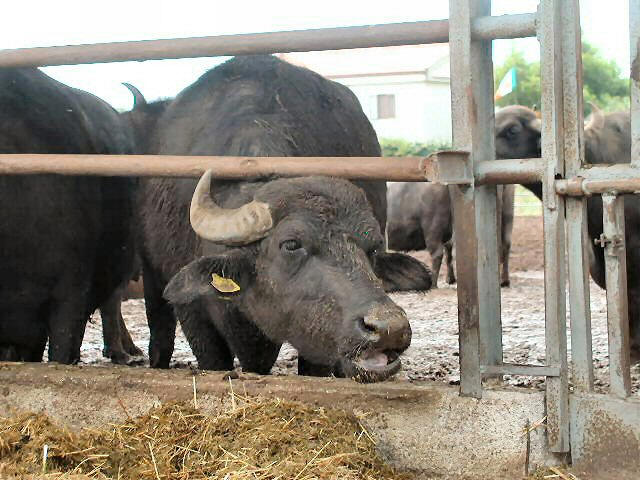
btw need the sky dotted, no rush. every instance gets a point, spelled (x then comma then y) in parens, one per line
(34, 23)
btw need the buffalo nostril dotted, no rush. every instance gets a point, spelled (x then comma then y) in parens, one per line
(375, 324)
(367, 328)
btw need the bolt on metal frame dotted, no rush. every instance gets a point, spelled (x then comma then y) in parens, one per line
(472, 172)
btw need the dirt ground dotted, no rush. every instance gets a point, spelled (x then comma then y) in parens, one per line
(433, 354)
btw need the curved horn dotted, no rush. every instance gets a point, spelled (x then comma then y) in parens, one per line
(236, 226)
(597, 118)
(138, 98)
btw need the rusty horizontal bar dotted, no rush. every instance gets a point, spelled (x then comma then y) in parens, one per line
(614, 171)
(504, 26)
(521, 170)
(445, 167)
(409, 33)
(513, 369)
(578, 186)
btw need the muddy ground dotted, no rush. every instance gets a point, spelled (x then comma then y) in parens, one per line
(433, 354)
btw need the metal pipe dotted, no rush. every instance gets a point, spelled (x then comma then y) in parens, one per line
(634, 32)
(577, 186)
(513, 369)
(504, 26)
(521, 170)
(615, 171)
(447, 167)
(409, 33)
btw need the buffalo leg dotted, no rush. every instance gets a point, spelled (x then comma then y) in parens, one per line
(506, 213)
(634, 324)
(448, 255)
(162, 322)
(67, 323)
(436, 252)
(313, 370)
(207, 344)
(127, 342)
(114, 332)
(254, 350)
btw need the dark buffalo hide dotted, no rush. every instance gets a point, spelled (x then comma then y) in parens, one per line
(420, 217)
(316, 277)
(64, 240)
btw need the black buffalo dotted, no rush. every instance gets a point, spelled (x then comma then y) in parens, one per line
(142, 118)
(118, 345)
(420, 216)
(64, 240)
(607, 140)
(307, 255)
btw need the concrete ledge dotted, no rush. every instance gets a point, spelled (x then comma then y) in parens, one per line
(605, 434)
(427, 429)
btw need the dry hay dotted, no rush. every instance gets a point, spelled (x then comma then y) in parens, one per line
(256, 439)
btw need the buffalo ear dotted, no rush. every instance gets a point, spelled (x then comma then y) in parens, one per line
(194, 279)
(400, 272)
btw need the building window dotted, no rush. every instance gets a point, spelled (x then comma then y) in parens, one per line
(386, 106)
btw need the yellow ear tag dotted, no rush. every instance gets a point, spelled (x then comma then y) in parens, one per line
(224, 285)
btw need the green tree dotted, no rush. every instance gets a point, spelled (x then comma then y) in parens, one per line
(602, 83)
(398, 147)
(527, 91)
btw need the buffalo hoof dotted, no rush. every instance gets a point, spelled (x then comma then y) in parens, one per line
(451, 280)
(505, 283)
(124, 358)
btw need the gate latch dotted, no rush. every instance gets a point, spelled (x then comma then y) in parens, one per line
(604, 241)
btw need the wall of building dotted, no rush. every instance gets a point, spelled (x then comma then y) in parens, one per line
(423, 108)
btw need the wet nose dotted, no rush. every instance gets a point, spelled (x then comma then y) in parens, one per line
(388, 326)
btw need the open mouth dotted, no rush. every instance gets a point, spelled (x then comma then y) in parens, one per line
(374, 365)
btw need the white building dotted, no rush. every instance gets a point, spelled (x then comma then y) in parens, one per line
(403, 90)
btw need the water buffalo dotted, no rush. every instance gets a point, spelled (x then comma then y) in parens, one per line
(274, 259)
(118, 345)
(420, 216)
(64, 240)
(607, 140)
(142, 118)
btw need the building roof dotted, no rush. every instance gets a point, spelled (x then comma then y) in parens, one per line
(359, 62)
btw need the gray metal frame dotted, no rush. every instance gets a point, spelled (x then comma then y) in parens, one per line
(473, 174)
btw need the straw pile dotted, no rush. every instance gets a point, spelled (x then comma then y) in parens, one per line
(256, 439)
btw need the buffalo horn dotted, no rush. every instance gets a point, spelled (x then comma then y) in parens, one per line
(597, 118)
(138, 98)
(236, 226)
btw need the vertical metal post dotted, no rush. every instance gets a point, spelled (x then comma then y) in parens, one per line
(551, 74)
(475, 216)
(576, 207)
(615, 258)
(634, 32)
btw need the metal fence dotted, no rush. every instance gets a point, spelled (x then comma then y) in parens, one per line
(472, 168)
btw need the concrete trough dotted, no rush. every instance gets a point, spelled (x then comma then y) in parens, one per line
(428, 429)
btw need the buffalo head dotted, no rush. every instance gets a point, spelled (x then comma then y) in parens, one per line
(517, 133)
(607, 138)
(307, 261)
(143, 117)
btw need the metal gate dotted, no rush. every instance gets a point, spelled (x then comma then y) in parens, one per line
(472, 168)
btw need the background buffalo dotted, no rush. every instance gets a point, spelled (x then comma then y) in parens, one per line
(65, 241)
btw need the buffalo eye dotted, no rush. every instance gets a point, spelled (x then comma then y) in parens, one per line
(290, 245)
(512, 131)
